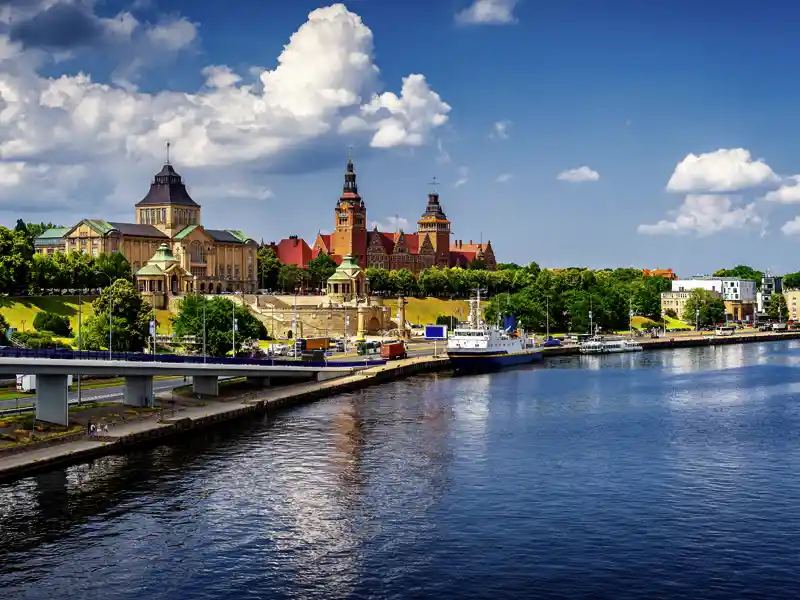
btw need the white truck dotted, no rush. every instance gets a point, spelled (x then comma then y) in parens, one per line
(27, 383)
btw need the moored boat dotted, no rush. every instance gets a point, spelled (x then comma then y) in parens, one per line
(476, 346)
(601, 345)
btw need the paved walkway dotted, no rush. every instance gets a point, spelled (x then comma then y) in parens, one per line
(213, 407)
(48, 453)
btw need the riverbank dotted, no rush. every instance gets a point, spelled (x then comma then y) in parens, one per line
(691, 340)
(169, 423)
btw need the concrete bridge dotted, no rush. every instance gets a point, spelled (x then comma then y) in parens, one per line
(51, 378)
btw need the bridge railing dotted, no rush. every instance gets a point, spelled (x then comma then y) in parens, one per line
(63, 353)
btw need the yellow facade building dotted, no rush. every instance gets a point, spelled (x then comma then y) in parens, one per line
(216, 260)
(793, 303)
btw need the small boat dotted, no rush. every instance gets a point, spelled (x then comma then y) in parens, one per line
(475, 346)
(601, 345)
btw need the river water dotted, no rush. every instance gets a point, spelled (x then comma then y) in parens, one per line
(669, 474)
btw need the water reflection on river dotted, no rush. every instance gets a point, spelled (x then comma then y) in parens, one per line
(661, 474)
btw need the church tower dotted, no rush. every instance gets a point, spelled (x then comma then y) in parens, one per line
(434, 225)
(350, 230)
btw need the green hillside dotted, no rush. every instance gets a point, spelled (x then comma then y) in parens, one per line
(20, 312)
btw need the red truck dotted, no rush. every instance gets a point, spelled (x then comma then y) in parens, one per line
(393, 350)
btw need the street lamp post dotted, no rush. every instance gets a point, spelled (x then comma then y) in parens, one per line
(204, 328)
(697, 319)
(233, 316)
(80, 340)
(110, 304)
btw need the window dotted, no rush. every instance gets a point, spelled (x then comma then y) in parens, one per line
(135, 267)
(198, 252)
(236, 272)
(163, 215)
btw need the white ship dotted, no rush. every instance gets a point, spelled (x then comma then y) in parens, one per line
(475, 346)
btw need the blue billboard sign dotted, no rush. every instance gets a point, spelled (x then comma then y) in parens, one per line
(435, 332)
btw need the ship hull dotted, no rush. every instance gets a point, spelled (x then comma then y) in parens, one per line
(491, 361)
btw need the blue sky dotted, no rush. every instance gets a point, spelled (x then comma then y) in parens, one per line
(626, 89)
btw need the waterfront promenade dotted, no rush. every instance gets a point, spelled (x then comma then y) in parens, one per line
(172, 422)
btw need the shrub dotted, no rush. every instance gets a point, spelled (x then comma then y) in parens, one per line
(446, 320)
(671, 313)
(48, 321)
(38, 340)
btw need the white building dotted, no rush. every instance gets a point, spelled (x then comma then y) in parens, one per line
(732, 290)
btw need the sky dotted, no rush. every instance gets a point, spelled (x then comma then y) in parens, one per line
(575, 133)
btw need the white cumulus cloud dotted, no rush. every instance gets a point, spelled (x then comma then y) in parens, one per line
(500, 130)
(325, 92)
(791, 227)
(578, 175)
(488, 12)
(724, 170)
(705, 214)
(789, 193)
(504, 177)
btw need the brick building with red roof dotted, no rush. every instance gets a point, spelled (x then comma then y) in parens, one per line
(429, 246)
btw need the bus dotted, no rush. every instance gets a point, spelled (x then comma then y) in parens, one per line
(725, 330)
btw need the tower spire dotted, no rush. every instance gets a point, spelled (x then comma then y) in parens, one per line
(433, 185)
(168, 145)
(350, 188)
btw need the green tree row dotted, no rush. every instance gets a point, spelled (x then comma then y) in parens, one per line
(563, 300)
(24, 272)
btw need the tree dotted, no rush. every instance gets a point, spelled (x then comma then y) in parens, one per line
(704, 304)
(16, 256)
(741, 272)
(219, 315)
(291, 277)
(268, 268)
(791, 281)
(52, 322)
(320, 268)
(130, 319)
(379, 281)
(778, 310)
(3, 327)
(671, 313)
(115, 265)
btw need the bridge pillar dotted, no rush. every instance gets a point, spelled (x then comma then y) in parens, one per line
(207, 385)
(259, 382)
(138, 390)
(51, 399)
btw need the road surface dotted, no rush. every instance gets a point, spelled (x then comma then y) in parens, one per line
(112, 393)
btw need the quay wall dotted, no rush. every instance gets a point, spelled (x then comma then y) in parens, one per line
(79, 449)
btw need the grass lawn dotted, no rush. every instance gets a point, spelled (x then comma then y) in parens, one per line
(164, 320)
(676, 324)
(19, 310)
(425, 310)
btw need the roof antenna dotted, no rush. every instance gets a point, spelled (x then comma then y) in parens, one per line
(433, 184)
(168, 145)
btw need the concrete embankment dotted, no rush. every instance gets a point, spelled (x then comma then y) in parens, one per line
(689, 341)
(14, 465)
